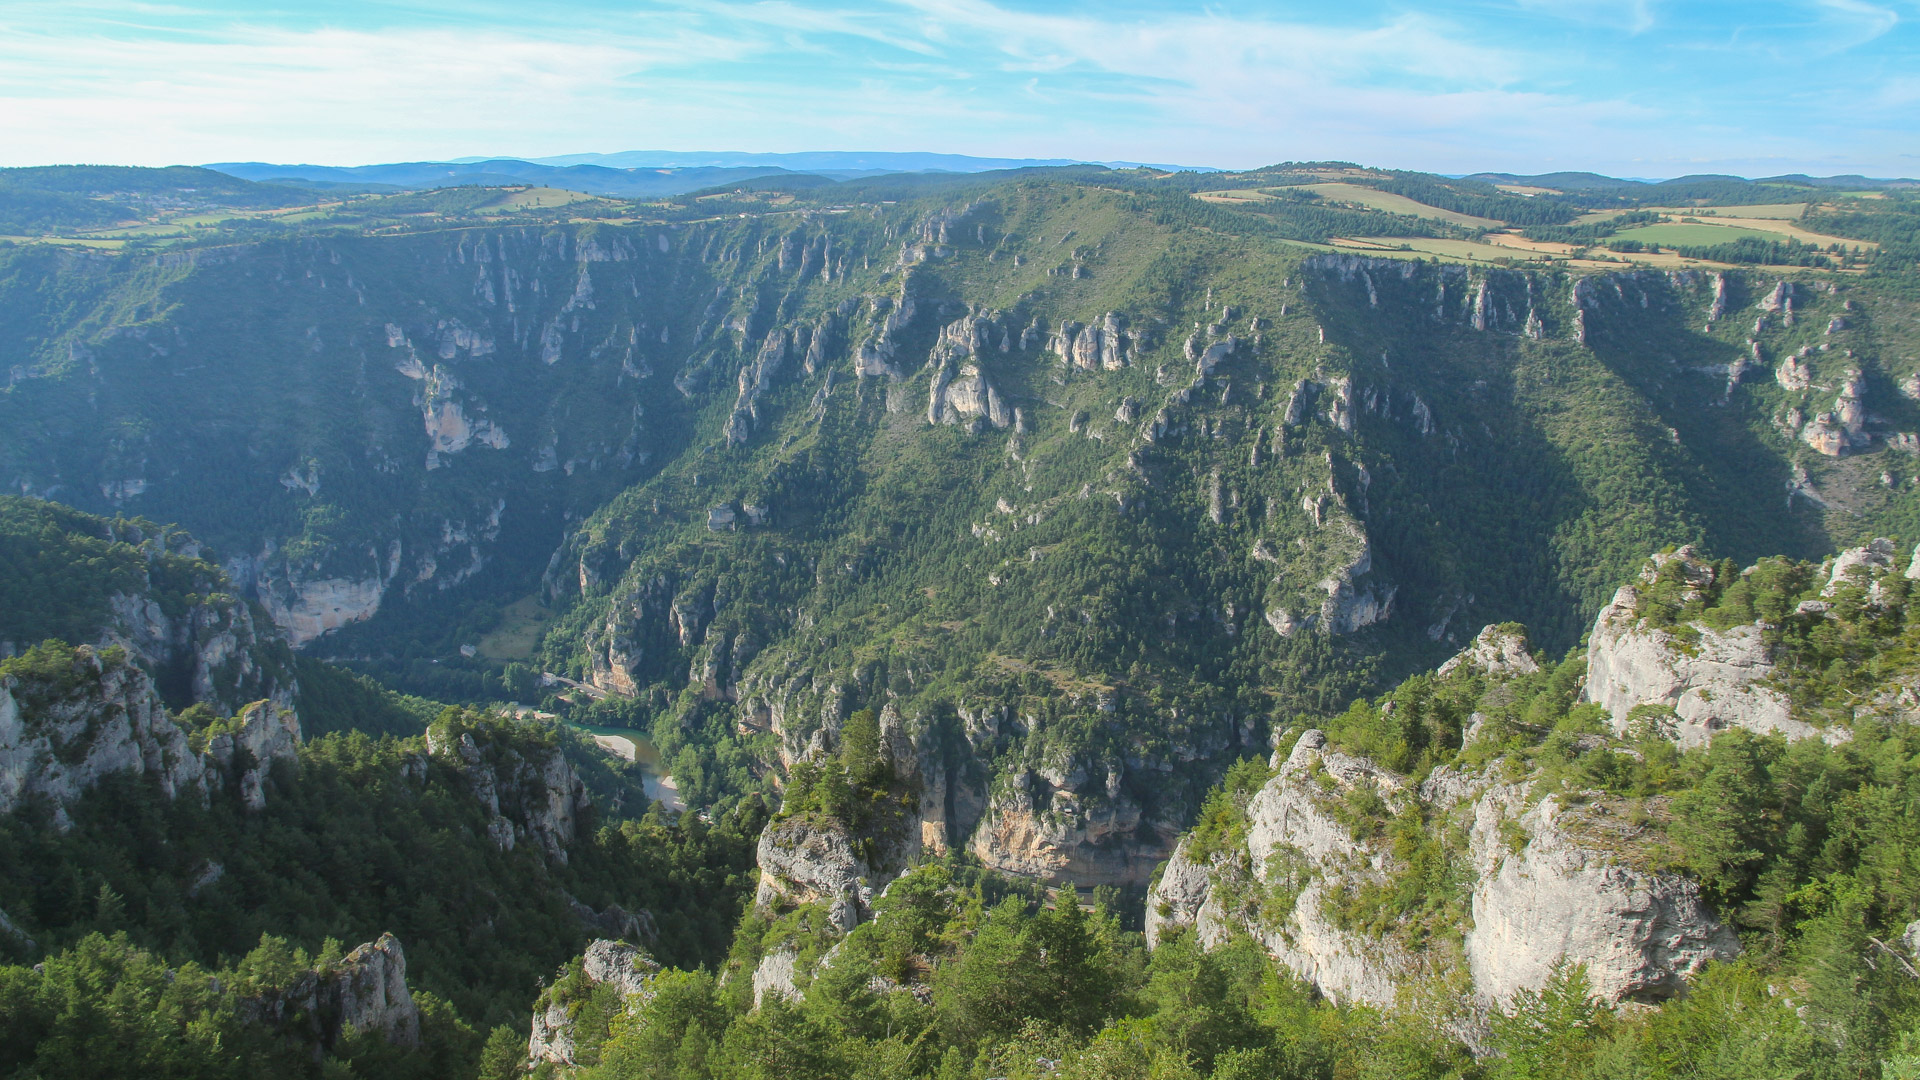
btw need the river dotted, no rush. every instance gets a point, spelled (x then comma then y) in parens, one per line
(636, 747)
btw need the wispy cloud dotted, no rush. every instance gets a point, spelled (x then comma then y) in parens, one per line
(1634, 16)
(1539, 83)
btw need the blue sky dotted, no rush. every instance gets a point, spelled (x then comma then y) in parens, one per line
(1629, 87)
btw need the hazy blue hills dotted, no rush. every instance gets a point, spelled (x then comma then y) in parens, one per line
(830, 162)
(664, 173)
(592, 179)
(1594, 182)
(632, 174)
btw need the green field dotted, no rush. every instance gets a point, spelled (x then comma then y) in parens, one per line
(1692, 235)
(1776, 211)
(1387, 202)
(518, 635)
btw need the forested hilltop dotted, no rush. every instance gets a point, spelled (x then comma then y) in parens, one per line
(192, 822)
(973, 527)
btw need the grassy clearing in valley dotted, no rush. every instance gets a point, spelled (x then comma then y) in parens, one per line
(521, 626)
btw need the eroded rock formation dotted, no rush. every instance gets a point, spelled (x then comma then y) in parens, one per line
(1549, 886)
(625, 969)
(1711, 679)
(530, 792)
(61, 732)
(365, 992)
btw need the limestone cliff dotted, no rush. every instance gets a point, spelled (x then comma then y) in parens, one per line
(1711, 679)
(365, 992)
(67, 720)
(614, 969)
(841, 861)
(1576, 890)
(1549, 885)
(63, 729)
(1062, 824)
(1549, 874)
(152, 592)
(807, 860)
(1496, 650)
(1276, 886)
(528, 788)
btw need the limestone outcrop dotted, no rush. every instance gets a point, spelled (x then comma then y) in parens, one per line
(530, 790)
(775, 975)
(887, 318)
(961, 392)
(215, 647)
(1059, 835)
(1841, 429)
(60, 736)
(1276, 886)
(1354, 597)
(1559, 891)
(1569, 893)
(307, 608)
(176, 617)
(811, 860)
(1497, 650)
(1711, 679)
(967, 397)
(757, 378)
(1861, 566)
(63, 731)
(1101, 345)
(365, 992)
(625, 969)
(243, 752)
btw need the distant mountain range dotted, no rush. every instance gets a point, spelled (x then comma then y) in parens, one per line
(1586, 181)
(635, 173)
(593, 179)
(660, 173)
(832, 162)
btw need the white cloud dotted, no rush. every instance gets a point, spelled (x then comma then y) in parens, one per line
(142, 84)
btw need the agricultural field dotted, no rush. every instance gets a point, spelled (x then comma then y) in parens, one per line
(1690, 234)
(1390, 203)
(1726, 229)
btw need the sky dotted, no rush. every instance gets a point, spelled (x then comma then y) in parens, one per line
(1644, 88)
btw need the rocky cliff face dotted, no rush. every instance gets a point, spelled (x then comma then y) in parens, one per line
(1496, 650)
(1554, 877)
(613, 967)
(76, 718)
(812, 861)
(529, 789)
(1277, 886)
(366, 992)
(243, 753)
(1055, 825)
(1550, 885)
(1574, 891)
(812, 858)
(214, 647)
(150, 591)
(1711, 679)
(1060, 816)
(62, 731)
(306, 609)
